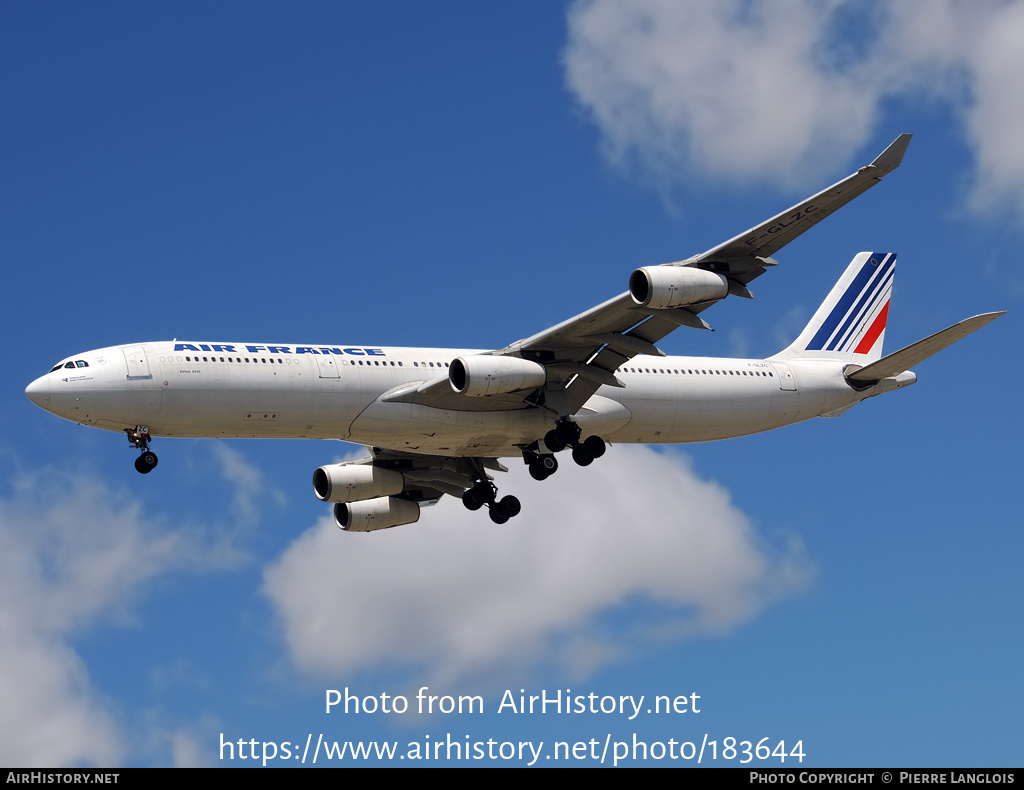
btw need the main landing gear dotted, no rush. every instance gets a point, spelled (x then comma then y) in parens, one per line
(566, 433)
(542, 465)
(139, 437)
(484, 492)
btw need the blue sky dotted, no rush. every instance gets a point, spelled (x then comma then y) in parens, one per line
(465, 175)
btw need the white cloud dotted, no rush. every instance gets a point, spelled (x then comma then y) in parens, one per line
(787, 328)
(783, 92)
(68, 562)
(455, 596)
(730, 89)
(739, 342)
(188, 745)
(251, 488)
(995, 121)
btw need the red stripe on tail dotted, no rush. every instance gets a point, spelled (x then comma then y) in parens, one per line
(877, 327)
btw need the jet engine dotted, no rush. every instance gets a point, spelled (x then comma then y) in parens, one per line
(355, 482)
(373, 514)
(484, 375)
(664, 287)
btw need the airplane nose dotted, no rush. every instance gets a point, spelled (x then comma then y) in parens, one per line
(39, 392)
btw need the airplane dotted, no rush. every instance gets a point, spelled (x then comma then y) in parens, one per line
(437, 421)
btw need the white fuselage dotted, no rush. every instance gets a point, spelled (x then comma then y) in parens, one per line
(335, 392)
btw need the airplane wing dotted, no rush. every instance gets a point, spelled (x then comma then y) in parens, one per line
(428, 477)
(769, 237)
(582, 353)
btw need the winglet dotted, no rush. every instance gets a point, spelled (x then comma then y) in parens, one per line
(890, 158)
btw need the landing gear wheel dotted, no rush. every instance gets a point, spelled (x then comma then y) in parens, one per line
(581, 456)
(594, 445)
(146, 462)
(543, 467)
(482, 493)
(568, 432)
(139, 437)
(509, 506)
(497, 517)
(552, 442)
(471, 500)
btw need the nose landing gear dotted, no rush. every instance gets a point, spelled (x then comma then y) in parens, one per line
(139, 437)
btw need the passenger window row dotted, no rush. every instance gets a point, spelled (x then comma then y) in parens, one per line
(701, 372)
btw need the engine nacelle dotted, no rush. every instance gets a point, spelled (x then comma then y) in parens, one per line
(484, 375)
(664, 287)
(380, 513)
(355, 482)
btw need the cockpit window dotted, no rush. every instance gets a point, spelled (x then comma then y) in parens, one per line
(70, 365)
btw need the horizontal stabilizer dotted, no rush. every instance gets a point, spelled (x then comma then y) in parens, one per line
(906, 358)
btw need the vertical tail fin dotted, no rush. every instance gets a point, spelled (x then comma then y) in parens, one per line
(850, 324)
